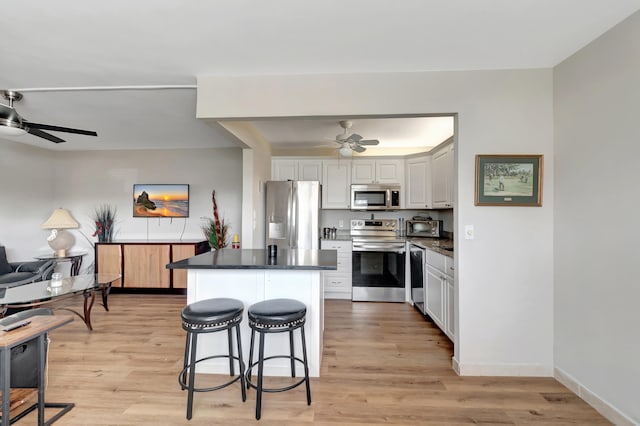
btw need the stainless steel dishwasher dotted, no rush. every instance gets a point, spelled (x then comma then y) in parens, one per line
(416, 267)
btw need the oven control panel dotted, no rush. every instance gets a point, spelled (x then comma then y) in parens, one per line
(374, 225)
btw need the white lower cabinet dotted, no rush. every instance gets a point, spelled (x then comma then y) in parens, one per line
(440, 292)
(337, 284)
(434, 296)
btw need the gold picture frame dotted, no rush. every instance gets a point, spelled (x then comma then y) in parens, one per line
(509, 180)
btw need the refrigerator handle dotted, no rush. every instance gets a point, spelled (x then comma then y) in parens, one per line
(293, 224)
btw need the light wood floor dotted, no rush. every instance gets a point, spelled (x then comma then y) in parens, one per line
(382, 364)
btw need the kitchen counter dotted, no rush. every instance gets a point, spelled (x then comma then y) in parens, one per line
(259, 259)
(441, 246)
(251, 276)
(344, 237)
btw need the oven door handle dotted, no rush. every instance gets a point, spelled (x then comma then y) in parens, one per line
(372, 247)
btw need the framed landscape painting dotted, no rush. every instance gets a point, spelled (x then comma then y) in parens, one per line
(509, 180)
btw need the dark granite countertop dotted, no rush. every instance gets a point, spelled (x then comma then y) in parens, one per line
(438, 245)
(258, 259)
(157, 241)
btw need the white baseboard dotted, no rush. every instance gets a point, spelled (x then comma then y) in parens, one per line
(337, 295)
(455, 365)
(522, 370)
(610, 412)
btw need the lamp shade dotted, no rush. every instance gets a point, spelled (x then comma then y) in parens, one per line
(60, 219)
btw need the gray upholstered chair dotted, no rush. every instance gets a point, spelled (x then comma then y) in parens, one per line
(17, 273)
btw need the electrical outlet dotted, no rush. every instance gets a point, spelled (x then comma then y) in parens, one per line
(469, 232)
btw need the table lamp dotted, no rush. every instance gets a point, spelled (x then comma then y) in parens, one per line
(60, 240)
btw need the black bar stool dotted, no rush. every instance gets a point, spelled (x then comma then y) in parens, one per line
(277, 316)
(210, 316)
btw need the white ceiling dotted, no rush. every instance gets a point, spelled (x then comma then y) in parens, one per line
(122, 43)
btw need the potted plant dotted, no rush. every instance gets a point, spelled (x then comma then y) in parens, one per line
(215, 230)
(104, 218)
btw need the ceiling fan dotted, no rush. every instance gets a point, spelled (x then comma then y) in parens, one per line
(353, 142)
(12, 124)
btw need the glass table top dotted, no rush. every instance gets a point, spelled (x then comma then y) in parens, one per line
(43, 290)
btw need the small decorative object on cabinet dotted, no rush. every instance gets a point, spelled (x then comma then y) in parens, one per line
(509, 180)
(104, 218)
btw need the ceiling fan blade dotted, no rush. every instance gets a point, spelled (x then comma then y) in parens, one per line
(60, 129)
(45, 135)
(355, 137)
(358, 148)
(369, 142)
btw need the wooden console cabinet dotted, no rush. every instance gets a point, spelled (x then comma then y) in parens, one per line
(142, 264)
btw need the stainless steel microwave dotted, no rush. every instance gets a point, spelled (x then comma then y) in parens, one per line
(424, 228)
(375, 197)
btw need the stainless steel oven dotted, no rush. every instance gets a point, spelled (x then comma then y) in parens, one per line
(378, 262)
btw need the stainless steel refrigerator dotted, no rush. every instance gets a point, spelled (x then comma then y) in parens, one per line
(292, 209)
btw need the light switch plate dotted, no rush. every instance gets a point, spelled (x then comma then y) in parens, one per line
(468, 232)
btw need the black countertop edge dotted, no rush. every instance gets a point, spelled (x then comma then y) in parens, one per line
(293, 260)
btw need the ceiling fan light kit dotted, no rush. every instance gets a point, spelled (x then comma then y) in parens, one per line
(12, 124)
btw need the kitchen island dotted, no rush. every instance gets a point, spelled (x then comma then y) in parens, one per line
(252, 276)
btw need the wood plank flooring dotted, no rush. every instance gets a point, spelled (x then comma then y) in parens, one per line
(382, 364)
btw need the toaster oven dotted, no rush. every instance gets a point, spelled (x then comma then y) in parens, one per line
(424, 228)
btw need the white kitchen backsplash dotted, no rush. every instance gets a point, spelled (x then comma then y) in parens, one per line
(340, 219)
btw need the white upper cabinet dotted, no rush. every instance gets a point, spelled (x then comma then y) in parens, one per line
(296, 169)
(336, 184)
(377, 171)
(310, 170)
(442, 177)
(418, 183)
(282, 169)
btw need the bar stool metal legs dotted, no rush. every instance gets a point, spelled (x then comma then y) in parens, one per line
(210, 316)
(276, 316)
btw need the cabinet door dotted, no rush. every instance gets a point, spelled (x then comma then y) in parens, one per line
(109, 260)
(418, 186)
(144, 265)
(389, 171)
(284, 169)
(442, 177)
(310, 170)
(336, 184)
(363, 171)
(179, 252)
(450, 318)
(434, 296)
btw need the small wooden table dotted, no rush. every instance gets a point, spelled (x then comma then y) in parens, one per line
(37, 328)
(42, 293)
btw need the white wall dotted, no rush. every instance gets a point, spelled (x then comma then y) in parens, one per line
(505, 275)
(597, 290)
(81, 181)
(256, 170)
(26, 198)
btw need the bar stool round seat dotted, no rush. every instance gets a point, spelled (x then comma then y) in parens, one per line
(277, 316)
(210, 316)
